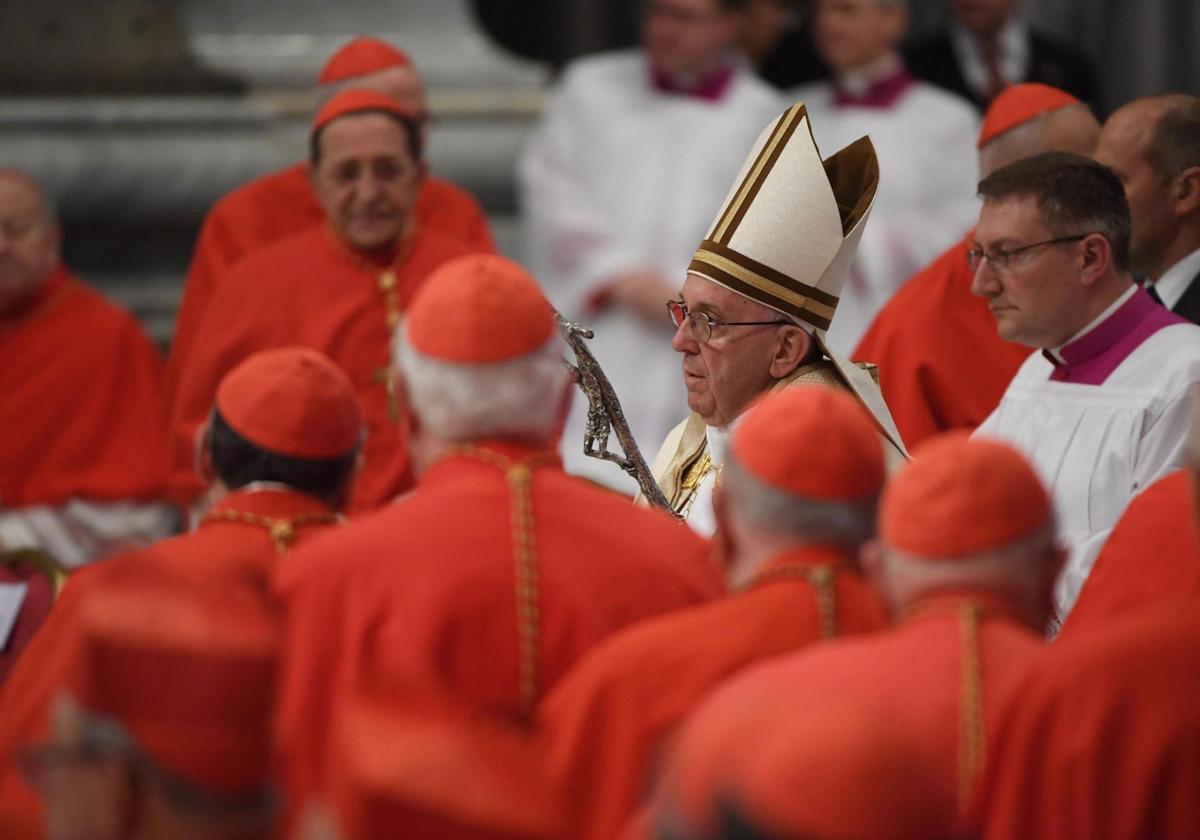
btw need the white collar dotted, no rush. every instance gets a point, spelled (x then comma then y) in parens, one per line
(718, 442)
(1176, 279)
(1104, 316)
(858, 81)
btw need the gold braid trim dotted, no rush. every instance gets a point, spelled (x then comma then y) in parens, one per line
(519, 476)
(282, 529)
(971, 740)
(821, 577)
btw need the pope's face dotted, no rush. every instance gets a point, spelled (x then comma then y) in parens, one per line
(850, 34)
(1123, 145)
(1036, 299)
(724, 374)
(28, 240)
(367, 180)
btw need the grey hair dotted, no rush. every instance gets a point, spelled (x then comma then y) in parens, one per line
(515, 398)
(777, 512)
(1018, 562)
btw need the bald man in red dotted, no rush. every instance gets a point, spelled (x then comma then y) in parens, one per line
(500, 570)
(341, 288)
(283, 203)
(1103, 738)
(83, 462)
(797, 499)
(279, 454)
(967, 560)
(942, 365)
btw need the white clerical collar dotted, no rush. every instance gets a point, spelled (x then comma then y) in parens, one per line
(1176, 279)
(858, 81)
(718, 442)
(1056, 352)
(1013, 43)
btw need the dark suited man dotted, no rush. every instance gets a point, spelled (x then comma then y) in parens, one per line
(1153, 144)
(989, 46)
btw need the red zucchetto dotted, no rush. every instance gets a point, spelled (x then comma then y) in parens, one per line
(361, 57)
(962, 495)
(293, 401)
(811, 441)
(1017, 105)
(478, 309)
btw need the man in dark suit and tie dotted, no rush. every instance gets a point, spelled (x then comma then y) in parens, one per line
(1153, 144)
(990, 46)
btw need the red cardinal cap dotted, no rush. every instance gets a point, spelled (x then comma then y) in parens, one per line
(477, 309)
(962, 495)
(811, 441)
(353, 101)
(188, 673)
(293, 401)
(413, 765)
(361, 57)
(1017, 105)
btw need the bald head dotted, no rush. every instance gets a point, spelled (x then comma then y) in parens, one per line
(29, 238)
(1153, 144)
(1072, 128)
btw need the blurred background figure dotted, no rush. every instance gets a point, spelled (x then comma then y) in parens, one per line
(283, 203)
(989, 45)
(923, 136)
(634, 154)
(777, 41)
(1153, 145)
(82, 454)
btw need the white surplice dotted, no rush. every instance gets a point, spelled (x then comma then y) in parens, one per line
(620, 177)
(928, 173)
(1096, 446)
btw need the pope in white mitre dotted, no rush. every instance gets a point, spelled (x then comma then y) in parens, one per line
(759, 295)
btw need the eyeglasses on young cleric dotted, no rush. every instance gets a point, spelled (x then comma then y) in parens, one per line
(999, 258)
(703, 323)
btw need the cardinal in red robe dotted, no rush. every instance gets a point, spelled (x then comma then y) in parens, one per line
(279, 453)
(500, 569)
(341, 288)
(1103, 738)
(942, 365)
(967, 559)
(83, 462)
(607, 721)
(281, 204)
(1152, 555)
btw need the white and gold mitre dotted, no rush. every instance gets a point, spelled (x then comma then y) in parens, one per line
(790, 226)
(788, 231)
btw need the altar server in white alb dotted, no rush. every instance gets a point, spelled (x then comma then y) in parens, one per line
(924, 136)
(760, 292)
(634, 154)
(1103, 410)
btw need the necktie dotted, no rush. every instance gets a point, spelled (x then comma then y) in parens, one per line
(990, 53)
